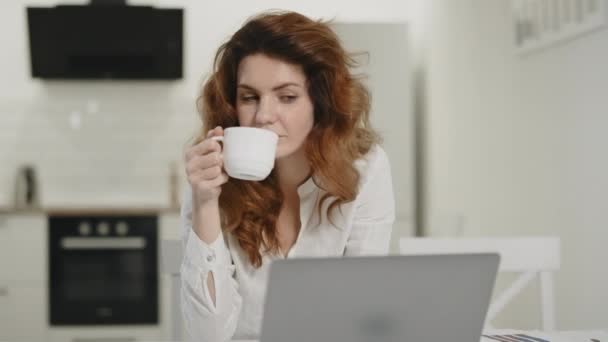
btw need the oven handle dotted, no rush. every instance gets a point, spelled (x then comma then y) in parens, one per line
(103, 243)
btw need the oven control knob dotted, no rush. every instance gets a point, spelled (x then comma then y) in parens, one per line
(122, 228)
(103, 228)
(84, 228)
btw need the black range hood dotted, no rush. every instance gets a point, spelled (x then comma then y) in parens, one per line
(105, 40)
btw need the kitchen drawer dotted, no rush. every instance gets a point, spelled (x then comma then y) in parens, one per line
(23, 248)
(23, 311)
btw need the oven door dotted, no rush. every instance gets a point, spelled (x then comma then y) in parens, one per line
(103, 277)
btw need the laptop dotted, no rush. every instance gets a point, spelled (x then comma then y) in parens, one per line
(418, 298)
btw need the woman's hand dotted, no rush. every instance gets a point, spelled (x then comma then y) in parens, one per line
(204, 167)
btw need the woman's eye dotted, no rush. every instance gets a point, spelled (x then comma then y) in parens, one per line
(288, 98)
(248, 98)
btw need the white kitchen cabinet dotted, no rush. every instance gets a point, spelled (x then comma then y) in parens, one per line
(23, 311)
(170, 229)
(23, 248)
(170, 226)
(23, 274)
(5, 248)
(166, 307)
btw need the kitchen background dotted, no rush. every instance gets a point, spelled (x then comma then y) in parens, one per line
(506, 144)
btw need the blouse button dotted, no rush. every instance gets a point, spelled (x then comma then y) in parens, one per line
(211, 257)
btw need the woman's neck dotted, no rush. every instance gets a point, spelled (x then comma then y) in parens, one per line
(293, 171)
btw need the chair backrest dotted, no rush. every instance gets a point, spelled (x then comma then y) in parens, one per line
(533, 256)
(171, 260)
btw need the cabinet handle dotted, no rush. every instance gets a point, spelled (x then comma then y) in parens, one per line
(3, 291)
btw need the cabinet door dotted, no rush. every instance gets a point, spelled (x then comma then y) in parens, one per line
(171, 229)
(23, 248)
(23, 311)
(6, 250)
(170, 226)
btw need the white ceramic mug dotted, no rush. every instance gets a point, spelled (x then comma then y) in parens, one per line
(249, 152)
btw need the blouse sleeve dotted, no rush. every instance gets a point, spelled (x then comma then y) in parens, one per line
(375, 209)
(203, 320)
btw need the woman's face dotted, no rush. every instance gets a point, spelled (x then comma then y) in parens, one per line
(273, 95)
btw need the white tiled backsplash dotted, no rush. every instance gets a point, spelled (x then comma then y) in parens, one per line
(98, 143)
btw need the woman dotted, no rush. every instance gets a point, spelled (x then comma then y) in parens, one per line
(329, 194)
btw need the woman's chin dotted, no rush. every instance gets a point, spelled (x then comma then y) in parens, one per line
(282, 152)
(286, 149)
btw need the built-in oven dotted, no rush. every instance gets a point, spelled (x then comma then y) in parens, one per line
(103, 270)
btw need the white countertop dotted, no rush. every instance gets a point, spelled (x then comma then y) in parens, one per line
(562, 336)
(89, 210)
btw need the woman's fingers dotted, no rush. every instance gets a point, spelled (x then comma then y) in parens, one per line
(204, 166)
(203, 163)
(204, 147)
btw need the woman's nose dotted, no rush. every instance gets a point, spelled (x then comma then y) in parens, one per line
(266, 112)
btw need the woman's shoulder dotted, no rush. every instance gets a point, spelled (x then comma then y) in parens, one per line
(375, 160)
(373, 167)
(375, 179)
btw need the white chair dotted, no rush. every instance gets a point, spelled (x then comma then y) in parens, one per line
(171, 260)
(531, 256)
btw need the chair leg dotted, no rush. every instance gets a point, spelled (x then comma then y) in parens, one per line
(547, 301)
(505, 298)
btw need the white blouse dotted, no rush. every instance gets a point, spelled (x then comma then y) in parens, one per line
(362, 227)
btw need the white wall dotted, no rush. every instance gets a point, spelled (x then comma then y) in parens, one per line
(129, 131)
(388, 77)
(517, 146)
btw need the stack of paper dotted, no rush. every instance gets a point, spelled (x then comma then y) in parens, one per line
(539, 336)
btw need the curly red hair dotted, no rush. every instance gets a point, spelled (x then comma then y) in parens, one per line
(341, 132)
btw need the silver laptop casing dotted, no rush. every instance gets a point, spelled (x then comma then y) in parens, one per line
(426, 298)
